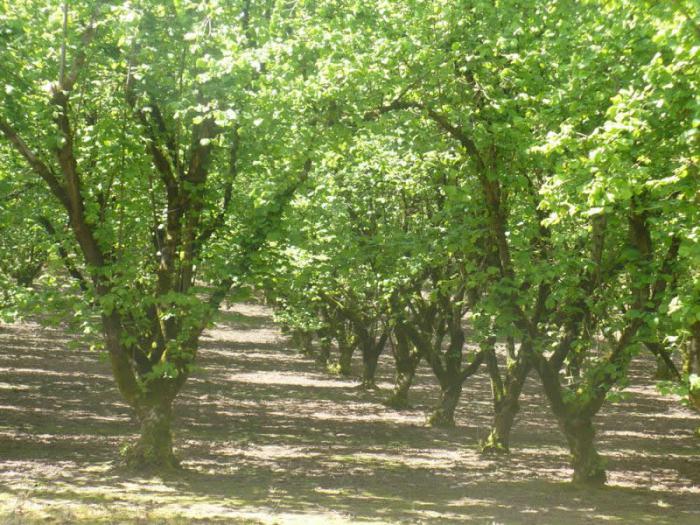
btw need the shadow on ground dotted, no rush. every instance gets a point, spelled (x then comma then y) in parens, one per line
(267, 437)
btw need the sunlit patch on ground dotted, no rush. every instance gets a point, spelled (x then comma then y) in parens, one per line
(268, 437)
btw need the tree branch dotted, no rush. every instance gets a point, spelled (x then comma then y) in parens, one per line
(441, 120)
(473, 366)
(39, 167)
(218, 221)
(63, 254)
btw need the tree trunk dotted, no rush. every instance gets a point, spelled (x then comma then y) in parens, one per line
(444, 413)
(589, 467)
(687, 355)
(665, 367)
(573, 365)
(345, 359)
(695, 348)
(662, 370)
(505, 410)
(324, 353)
(406, 364)
(370, 357)
(402, 383)
(694, 366)
(153, 451)
(303, 341)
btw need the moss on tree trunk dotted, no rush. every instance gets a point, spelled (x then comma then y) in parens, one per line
(406, 363)
(153, 451)
(444, 413)
(589, 467)
(498, 440)
(402, 384)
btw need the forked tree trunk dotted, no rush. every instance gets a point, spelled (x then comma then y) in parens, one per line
(371, 350)
(447, 367)
(575, 420)
(506, 408)
(589, 467)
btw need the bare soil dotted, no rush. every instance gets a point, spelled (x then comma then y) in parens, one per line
(266, 436)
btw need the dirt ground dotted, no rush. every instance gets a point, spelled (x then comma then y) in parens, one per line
(268, 437)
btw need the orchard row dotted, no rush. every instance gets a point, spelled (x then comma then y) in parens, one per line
(511, 186)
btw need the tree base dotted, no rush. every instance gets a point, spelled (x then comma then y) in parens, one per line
(663, 372)
(440, 419)
(594, 479)
(344, 368)
(498, 440)
(152, 452)
(145, 460)
(367, 385)
(397, 403)
(589, 466)
(493, 445)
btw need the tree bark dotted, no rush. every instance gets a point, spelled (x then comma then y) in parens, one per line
(303, 341)
(573, 365)
(324, 353)
(695, 348)
(575, 420)
(505, 410)
(406, 364)
(444, 413)
(153, 451)
(589, 467)
(370, 358)
(662, 370)
(665, 367)
(694, 360)
(402, 384)
(371, 350)
(345, 349)
(505, 407)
